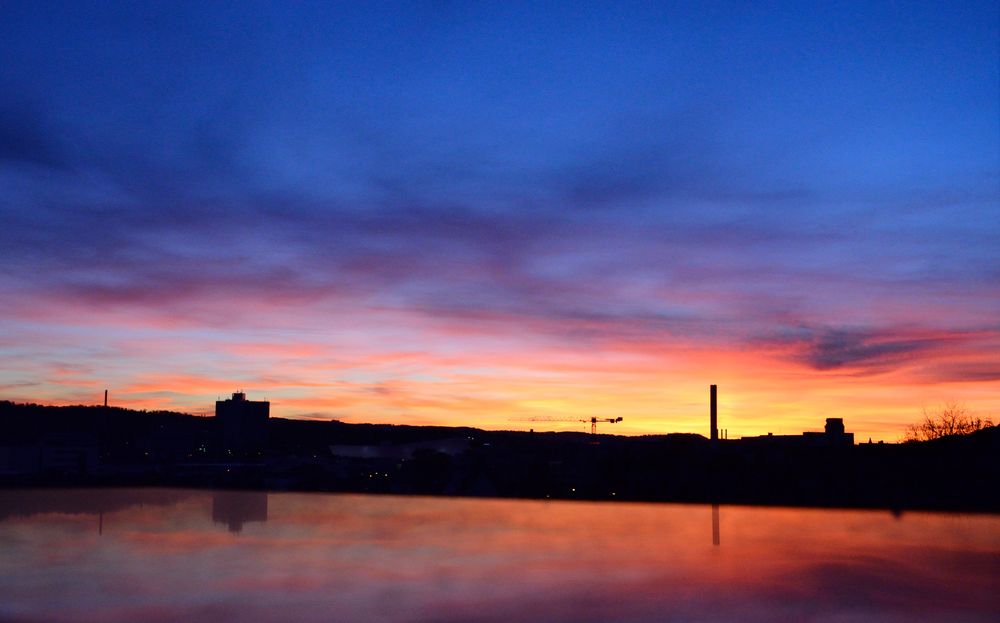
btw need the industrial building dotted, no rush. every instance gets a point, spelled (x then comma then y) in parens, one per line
(832, 435)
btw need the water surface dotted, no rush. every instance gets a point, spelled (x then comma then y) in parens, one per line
(177, 555)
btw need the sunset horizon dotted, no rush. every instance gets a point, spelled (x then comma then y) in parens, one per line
(472, 215)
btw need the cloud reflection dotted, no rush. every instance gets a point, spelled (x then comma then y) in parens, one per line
(427, 559)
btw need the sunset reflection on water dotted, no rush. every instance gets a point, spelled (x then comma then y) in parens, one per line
(166, 555)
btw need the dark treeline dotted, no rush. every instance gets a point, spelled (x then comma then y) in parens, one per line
(88, 446)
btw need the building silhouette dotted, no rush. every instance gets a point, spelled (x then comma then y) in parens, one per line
(244, 425)
(832, 435)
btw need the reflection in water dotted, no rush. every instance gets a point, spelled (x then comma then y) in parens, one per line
(715, 524)
(26, 502)
(235, 508)
(83, 502)
(363, 558)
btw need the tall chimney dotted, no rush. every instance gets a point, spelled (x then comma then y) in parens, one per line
(714, 417)
(105, 398)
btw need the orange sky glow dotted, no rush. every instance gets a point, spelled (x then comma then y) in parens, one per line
(391, 366)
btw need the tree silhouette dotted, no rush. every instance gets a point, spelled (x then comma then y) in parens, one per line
(951, 419)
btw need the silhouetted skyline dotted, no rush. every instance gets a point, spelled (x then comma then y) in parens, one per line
(108, 446)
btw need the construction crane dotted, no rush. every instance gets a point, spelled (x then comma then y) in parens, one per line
(593, 421)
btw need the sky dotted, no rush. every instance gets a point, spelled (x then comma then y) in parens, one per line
(478, 214)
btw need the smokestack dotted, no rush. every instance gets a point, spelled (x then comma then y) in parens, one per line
(105, 398)
(714, 417)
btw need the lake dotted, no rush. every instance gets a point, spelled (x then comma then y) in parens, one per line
(189, 555)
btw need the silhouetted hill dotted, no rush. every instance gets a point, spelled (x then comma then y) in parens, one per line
(83, 445)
